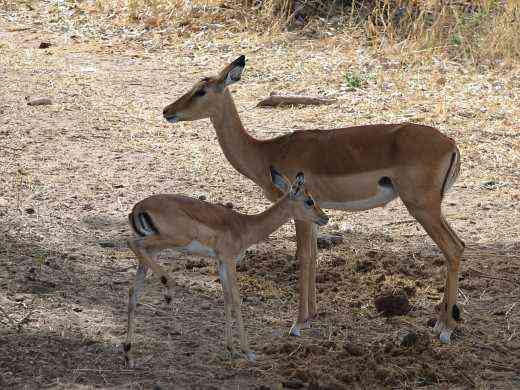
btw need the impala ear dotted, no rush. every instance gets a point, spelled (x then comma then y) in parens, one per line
(300, 178)
(279, 180)
(233, 72)
(296, 188)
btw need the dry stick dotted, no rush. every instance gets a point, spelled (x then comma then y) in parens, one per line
(400, 222)
(493, 277)
(16, 29)
(293, 100)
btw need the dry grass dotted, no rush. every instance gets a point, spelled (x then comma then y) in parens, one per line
(486, 30)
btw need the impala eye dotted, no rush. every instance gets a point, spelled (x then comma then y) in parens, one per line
(200, 92)
(309, 202)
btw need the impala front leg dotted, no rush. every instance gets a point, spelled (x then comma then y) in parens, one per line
(235, 295)
(304, 234)
(228, 299)
(232, 300)
(313, 310)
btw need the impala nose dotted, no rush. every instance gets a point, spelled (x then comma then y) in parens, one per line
(322, 221)
(172, 118)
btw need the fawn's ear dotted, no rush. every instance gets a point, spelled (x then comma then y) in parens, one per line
(233, 72)
(279, 180)
(297, 186)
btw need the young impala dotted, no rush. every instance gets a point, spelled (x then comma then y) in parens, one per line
(191, 225)
(353, 168)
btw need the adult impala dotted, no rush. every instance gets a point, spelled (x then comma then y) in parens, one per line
(190, 225)
(353, 168)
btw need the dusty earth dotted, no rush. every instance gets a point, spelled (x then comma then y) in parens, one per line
(72, 170)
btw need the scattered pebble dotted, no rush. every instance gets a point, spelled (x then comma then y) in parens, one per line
(44, 45)
(40, 101)
(107, 244)
(363, 265)
(326, 241)
(293, 384)
(392, 305)
(408, 339)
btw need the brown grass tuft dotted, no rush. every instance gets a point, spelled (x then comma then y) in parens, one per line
(478, 31)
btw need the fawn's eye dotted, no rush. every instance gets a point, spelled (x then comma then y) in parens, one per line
(309, 202)
(200, 92)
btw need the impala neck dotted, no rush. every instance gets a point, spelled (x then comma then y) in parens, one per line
(259, 226)
(239, 147)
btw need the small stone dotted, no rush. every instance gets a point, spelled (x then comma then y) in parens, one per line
(107, 244)
(202, 197)
(29, 210)
(363, 266)
(229, 205)
(408, 339)
(346, 227)
(293, 384)
(44, 45)
(327, 241)
(41, 101)
(353, 349)
(392, 305)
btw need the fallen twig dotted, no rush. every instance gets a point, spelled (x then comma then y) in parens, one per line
(400, 222)
(293, 100)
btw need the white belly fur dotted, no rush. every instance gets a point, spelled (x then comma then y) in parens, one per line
(196, 248)
(385, 194)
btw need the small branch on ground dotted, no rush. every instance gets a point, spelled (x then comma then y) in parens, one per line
(275, 100)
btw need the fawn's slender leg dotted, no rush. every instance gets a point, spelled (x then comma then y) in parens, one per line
(145, 249)
(228, 299)
(452, 247)
(313, 311)
(304, 246)
(235, 294)
(133, 298)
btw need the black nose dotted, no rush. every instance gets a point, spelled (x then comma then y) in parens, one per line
(322, 221)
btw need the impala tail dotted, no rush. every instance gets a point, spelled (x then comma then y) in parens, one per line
(453, 172)
(142, 223)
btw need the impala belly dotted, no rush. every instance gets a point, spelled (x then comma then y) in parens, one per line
(366, 191)
(197, 248)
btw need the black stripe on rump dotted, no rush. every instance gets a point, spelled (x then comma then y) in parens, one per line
(147, 225)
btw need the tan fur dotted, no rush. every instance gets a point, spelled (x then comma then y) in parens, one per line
(342, 167)
(187, 224)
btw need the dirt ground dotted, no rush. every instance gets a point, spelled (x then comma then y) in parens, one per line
(72, 170)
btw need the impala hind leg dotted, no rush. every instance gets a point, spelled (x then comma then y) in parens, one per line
(133, 298)
(305, 233)
(452, 247)
(145, 249)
